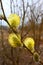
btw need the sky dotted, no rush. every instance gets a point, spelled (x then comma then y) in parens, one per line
(6, 5)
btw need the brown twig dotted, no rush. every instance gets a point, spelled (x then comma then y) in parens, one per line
(22, 19)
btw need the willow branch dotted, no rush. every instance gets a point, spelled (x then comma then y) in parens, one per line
(6, 18)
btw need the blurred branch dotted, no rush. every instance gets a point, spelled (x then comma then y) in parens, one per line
(23, 19)
(24, 12)
(11, 5)
(36, 2)
(12, 56)
(40, 29)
